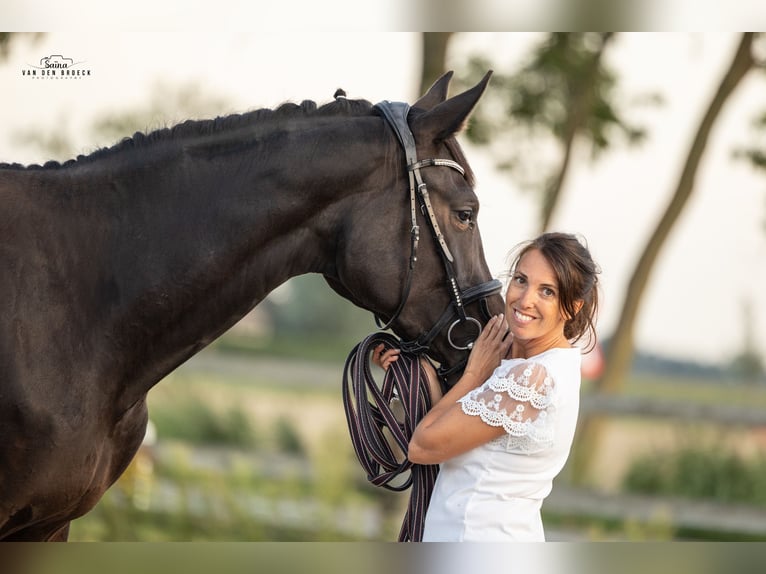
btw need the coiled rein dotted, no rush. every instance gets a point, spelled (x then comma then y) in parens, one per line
(373, 425)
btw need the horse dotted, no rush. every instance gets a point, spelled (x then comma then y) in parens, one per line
(121, 264)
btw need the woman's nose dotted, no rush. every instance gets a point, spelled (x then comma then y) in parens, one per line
(527, 298)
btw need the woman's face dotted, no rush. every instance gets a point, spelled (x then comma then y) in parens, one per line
(532, 306)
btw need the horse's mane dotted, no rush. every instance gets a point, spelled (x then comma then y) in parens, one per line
(340, 106)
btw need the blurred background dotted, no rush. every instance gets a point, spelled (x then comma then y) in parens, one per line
(650, 145)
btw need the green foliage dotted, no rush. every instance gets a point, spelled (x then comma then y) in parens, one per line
(565, 87)
(265, 493)
(287, 438)
(754, 152)
(5, 41)
(748, 366)
(241, 499)
(193, 420)
(700, 473)
(10, 39)
(285, 488)
(308, 321)
(697, 391)
(332, 348)
(309, 308)
(335, 468)
(558, 71)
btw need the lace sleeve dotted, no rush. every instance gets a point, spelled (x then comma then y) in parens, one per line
(519, 400)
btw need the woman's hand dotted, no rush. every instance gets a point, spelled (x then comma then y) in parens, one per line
(384, 357)
(446, 430)
(489, 349)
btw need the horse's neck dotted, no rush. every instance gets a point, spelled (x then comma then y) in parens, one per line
(191, 249)
(207, 226)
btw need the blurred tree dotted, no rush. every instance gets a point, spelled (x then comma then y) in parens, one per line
(166, 105)
(620, 353)
(621, 347)
(5, 41)
(564, 90)
(755, 153)
(747, 366)
(434, 58)
(10, 39)
(310, 309)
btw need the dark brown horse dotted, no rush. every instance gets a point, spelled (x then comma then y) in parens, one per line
(119, 266)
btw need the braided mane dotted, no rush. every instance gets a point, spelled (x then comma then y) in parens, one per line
(219, 125)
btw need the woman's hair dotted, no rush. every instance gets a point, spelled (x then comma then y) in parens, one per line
(577, 276)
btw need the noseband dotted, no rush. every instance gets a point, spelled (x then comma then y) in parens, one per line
(396, 115)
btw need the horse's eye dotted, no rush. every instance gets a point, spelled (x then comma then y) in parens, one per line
(466, 217)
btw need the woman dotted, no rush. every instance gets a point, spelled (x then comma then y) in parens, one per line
(504, 431)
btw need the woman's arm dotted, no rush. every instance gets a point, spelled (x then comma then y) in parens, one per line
(446, 430)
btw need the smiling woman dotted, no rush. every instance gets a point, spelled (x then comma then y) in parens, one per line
(552, 297)
(504, 431)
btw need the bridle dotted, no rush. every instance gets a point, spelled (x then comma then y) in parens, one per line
(371, 421)
(395, 114)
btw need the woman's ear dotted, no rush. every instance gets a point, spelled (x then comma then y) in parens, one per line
(577, 305)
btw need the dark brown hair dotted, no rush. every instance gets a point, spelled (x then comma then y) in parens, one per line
(577, 276)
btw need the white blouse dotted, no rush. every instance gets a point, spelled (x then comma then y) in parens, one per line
(495, 491)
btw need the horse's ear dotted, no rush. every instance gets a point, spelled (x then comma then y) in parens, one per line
(449, 117)
(436, 94)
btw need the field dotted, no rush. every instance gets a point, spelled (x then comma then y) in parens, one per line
(256, 448)
(245, 450)
(629, 437)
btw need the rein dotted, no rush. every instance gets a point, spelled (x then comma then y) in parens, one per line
(373, 425)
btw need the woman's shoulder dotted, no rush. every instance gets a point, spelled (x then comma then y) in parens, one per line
(558, 365)
(554, 356)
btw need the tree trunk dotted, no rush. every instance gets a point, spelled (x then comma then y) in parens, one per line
(434, 58)
(620, 353)
(582, 100)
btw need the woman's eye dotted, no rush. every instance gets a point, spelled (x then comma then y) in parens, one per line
(548, 292)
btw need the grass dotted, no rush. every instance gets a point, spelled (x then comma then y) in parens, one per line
(288, 452)
(193, 420)
(244, 458)
(321, 349)
(244, 497)
(700, 472)
(698, 391)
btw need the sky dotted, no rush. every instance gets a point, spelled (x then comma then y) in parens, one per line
(714, 260)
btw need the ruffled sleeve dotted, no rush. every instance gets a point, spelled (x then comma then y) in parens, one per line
(519, 399)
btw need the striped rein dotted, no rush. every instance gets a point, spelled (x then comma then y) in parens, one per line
(369, 415)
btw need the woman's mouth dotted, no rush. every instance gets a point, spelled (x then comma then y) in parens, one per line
(521, 317)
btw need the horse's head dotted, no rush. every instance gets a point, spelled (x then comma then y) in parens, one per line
(432, 285)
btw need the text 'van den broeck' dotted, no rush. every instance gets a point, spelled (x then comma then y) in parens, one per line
(53, 72)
